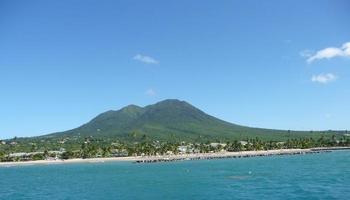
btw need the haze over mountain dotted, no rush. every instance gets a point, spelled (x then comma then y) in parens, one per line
(170, 120)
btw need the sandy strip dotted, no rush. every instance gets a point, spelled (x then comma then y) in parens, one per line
(75, 160)
(170, 157)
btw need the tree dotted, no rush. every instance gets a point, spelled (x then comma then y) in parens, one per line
(33, 148)
(38, 156)
(67, 155)
(106, 151)
(2, 156)
(46, 153)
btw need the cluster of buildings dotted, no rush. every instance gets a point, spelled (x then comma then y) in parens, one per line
(25, 156)
(190, 148)
(3, 142)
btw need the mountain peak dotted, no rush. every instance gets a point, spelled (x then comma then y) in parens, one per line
(172, 102)
(170, 119)
(131, 107)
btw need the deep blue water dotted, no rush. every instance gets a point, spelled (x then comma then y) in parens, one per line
(316, 176)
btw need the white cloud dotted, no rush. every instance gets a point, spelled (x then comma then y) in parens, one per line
(330, 52)
(145, 59)
(346, 48)
(151, 92)
(324, 78)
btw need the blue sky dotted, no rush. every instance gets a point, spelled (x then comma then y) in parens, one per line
(273, 64)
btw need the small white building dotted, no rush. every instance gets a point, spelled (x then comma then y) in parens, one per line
(182, 149)
(169, 153)
(216, 144)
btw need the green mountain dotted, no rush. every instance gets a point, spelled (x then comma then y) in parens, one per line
(171, 120)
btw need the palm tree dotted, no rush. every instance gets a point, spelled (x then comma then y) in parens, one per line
(2, 156)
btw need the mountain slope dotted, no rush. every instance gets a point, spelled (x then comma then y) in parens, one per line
(170, 120)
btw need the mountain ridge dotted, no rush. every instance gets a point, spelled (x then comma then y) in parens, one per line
(169, 120)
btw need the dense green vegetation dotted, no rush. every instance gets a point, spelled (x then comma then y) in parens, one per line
(92, 148)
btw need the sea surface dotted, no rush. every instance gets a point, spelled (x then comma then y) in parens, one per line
(313, 176)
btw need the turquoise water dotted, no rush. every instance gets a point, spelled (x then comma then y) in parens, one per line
(316, 176)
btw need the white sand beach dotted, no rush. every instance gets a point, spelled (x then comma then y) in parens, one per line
(165, 157)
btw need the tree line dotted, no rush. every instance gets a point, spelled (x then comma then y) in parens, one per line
(93, 148)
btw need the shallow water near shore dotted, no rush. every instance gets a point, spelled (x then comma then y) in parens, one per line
(311, 176)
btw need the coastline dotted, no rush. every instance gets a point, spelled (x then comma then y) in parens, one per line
(168, 158)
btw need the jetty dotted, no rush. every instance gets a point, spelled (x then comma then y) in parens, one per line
(224, 155)
(329, 148)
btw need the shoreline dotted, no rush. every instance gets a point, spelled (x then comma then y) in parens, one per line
(179, 157)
